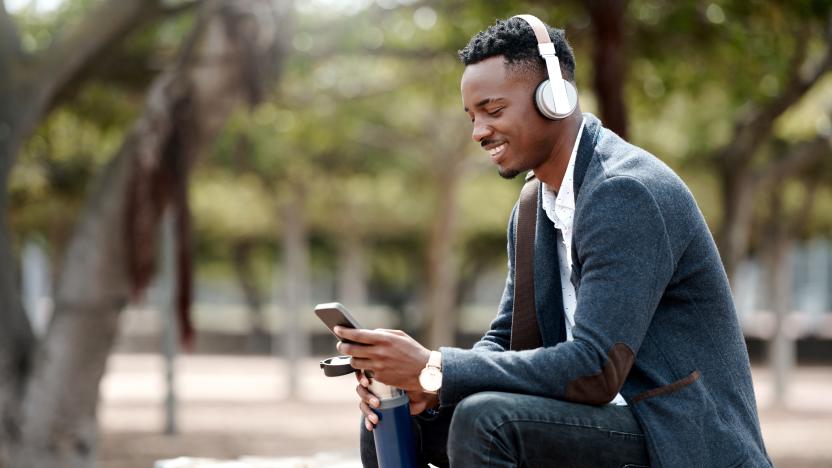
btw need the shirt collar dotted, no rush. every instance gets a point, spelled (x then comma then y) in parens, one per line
(560, 209)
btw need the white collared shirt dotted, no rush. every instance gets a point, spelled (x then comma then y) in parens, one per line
(560, 209)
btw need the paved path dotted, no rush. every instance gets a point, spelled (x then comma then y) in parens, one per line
(235, 406)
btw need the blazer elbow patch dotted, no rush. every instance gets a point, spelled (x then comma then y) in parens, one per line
(669, 388)
(601, 388)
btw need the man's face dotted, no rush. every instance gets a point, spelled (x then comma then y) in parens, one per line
(500, 103)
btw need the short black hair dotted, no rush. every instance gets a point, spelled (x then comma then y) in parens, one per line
(514, 39)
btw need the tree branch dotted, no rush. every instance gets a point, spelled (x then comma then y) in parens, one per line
(800, 157)
(107, 24)
(380, 52)
(57, 67)
(750, 132)
(180, 8)
(113, 63)
(9, 36)
(801, 218)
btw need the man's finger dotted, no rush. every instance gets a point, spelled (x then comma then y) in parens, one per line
(359, 363)
(366, 378)
(369, 415)
(353, 349)
(367, 396)
(417, 408)
(362, 378)
(358, 335)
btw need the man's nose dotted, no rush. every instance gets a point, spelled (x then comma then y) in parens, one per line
(480, 132)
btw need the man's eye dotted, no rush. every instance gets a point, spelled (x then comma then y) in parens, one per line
(495, 112)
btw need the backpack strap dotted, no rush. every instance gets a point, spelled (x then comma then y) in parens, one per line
(525, 333)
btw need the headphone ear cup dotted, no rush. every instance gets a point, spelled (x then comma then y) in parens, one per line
(545, 101)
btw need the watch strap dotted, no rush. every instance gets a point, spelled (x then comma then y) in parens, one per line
(435, 359)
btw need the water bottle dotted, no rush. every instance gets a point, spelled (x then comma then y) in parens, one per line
(393, 435)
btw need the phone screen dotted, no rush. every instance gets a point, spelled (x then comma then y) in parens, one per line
(335, 314)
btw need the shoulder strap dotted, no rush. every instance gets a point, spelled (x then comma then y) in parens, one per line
(525, 333)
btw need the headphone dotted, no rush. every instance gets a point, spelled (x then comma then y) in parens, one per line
(555, 98)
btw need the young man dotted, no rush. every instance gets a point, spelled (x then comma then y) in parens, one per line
(640, 359)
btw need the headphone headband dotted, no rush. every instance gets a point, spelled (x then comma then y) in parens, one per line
(563, 105)
(537, 26)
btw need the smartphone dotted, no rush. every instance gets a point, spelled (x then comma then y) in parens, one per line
(335, 314)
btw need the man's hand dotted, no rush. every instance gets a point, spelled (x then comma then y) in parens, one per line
(420, 401)
(394, 357)
(368, 400)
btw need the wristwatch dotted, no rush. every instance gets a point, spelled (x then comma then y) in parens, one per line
(431, 376)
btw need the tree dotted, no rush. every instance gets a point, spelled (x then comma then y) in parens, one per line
(711, 87)
(28, 91)
(609, 61)
(222, 64)
(743, 168)
(779, 225)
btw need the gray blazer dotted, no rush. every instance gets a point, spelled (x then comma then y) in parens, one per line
(655, 319)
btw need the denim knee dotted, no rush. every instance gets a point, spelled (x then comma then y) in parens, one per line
(474, 422)
(471, 414)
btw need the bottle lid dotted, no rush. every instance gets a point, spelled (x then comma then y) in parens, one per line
(337, 366)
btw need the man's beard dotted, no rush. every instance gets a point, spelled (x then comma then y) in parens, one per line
(508, 173)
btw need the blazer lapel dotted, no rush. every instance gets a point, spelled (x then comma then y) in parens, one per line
(548, 297)
(586, 150)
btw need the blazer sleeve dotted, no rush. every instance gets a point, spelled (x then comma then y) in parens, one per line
(624, 249)
(498, 336)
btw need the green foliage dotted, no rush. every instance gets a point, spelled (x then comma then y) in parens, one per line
(366, 118)
(697, 68)
(698, 65)
(57, 165)
(231, 207)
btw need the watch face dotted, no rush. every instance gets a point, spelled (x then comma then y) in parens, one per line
(431, 379)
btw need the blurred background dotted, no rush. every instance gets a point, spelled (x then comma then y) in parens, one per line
(183, 180)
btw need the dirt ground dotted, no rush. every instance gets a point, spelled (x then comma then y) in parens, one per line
(231, 407)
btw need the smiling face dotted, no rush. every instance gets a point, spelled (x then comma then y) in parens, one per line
(500, 103)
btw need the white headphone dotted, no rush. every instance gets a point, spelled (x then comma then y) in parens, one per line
(555, 98)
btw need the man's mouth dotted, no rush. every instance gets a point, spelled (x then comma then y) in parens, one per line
(497, 151)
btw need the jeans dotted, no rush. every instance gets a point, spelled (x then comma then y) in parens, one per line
(509, 430)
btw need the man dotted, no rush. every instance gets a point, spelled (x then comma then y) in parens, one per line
(641, 359)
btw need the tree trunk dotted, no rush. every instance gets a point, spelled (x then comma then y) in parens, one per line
(246, 278)
(738, 194)
(781, 351)
(217, 70)
(16, 346)
(59, 425)
(296, 284)
(742, 181)
(609, 61)
(446, 167)
(352, 271)
(17, 341)
(442, 275)
(27, 91)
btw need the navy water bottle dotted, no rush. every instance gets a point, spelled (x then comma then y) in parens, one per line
(393, 435)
